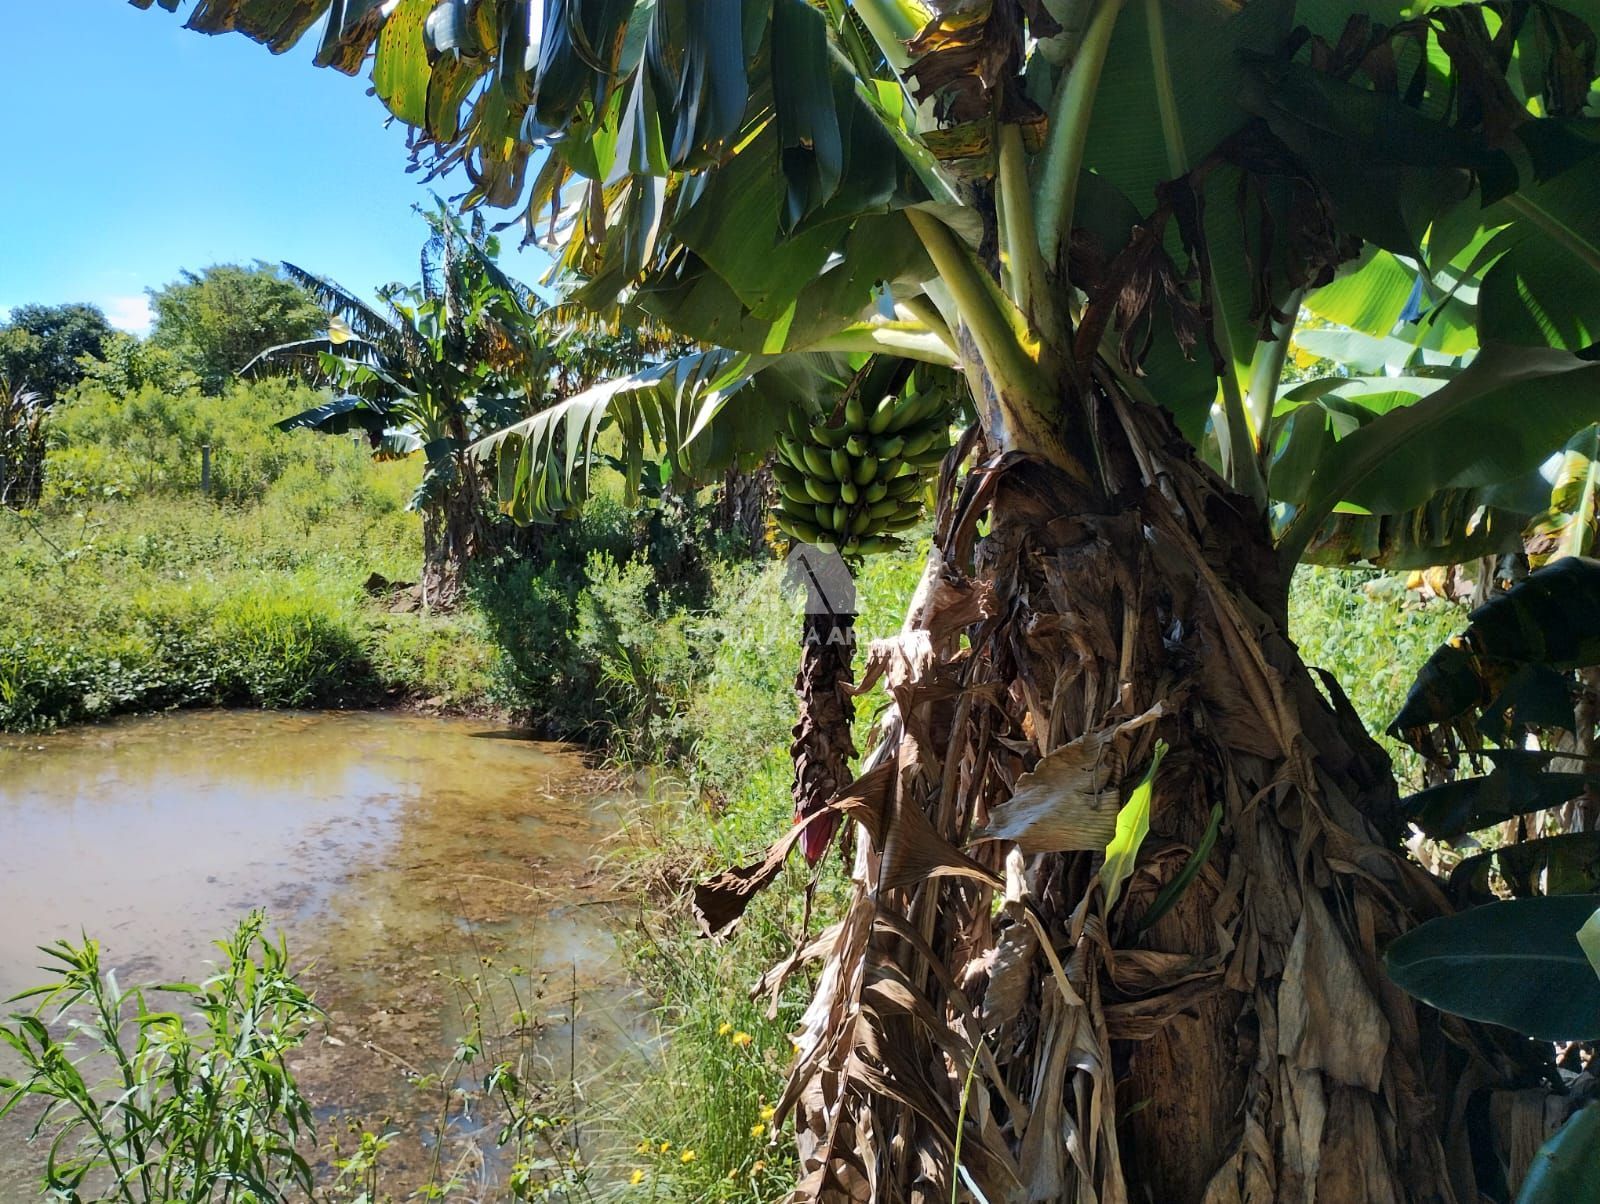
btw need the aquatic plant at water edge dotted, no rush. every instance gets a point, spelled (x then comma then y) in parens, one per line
(144, 1105)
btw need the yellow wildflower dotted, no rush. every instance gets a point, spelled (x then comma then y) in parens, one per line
(768, 1112)
(741, 1039)
(758, 1130)
(686, 1157)
(642, 1148)
(760, 1166)
(637, 1177)
(665, 1146)
(733, 1173)
(724, 1029)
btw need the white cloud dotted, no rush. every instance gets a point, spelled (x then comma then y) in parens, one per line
(131, 313)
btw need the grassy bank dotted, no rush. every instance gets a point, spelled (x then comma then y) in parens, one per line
(130, 588)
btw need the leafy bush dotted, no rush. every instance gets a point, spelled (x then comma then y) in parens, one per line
(149, 442)
(261, 642)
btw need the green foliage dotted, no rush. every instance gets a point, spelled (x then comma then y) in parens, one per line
(272, 640)
(41, 346)
(1515, 962)
(127, 590)
(1521, 961)
(1563, 1169)
(148, 443)
(22, 444)
(199, 1107)
(725, 1063)
(213, 323)
(1361, 627)
(126, 364)
(641, 653)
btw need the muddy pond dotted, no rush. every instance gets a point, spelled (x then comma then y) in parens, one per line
(424, 870)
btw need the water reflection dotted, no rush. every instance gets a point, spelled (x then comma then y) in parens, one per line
(397, 852)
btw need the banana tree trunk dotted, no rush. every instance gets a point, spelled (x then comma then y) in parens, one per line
(741, 506)
(451, 534)
(1217, 1027)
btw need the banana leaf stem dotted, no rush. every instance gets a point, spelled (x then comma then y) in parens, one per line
(912, 340)
(1057, 192)
(1266, 370)
(1030, 282)
(1018, 399)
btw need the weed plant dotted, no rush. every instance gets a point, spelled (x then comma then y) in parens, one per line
(147, 1105)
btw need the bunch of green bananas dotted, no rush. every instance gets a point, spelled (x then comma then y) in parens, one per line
(851, 481)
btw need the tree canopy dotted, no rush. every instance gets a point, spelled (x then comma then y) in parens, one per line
(213, 322)
(40, 346)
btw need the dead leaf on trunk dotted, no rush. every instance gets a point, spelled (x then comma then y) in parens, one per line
(1069, 801)
(723, 899)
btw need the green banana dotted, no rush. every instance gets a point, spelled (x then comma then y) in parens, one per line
(828, 436)
(891, 448)
(904, 415)
(860, 521)
(855, 414)
(913, 411)
(839, 460)
(857, 445)
(921, 441)
(848, 493)
(788, 477)
(818, 463)
(798, 528)
(875, 492)
(865, 471)
(841, 519)
(821, 491)
(876, 543)
(884, 507)
(881, 417)
(904, 487)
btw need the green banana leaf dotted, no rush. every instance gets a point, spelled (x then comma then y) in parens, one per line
(1516, 963)
(1550, 865)
(1563, 1169)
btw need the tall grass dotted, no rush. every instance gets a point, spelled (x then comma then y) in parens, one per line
(1372, 636)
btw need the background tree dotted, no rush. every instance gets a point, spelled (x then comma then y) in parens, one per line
(215, 321)
(40, 346)
(127, 364)
(1107, 217)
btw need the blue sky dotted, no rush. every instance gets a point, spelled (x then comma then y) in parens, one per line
(136, 148)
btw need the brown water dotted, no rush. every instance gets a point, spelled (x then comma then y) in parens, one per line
(401, 856)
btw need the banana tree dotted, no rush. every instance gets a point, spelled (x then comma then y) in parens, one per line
(22, 444)
(462, 353)
(1116, 922)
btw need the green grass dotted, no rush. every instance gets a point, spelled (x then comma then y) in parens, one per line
(1364, 630)
(725, 1060)
(128, 590)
